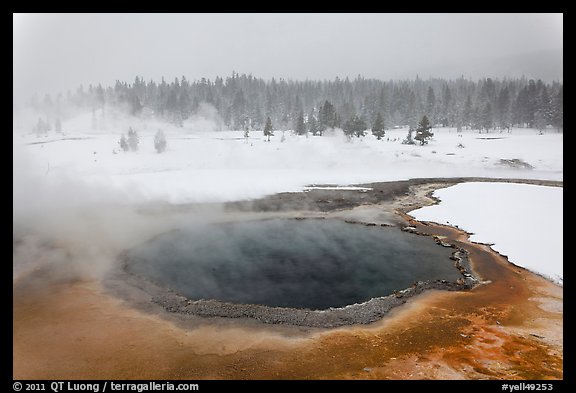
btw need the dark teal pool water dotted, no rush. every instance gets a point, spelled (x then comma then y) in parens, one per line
(314, 264)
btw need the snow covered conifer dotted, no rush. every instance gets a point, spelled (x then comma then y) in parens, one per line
(558, 109)
(300, 126)
(268, 128)
(359, 127)
(409, 140)
(423, 131)
(486, 117)
(355, 126)
(312, 124)
(42, 127)
(123, 143)
(378, 127)
(133, 139)
(327, 117)
(246, 134)
(468, 112)
(431, 102)
(160, 141)
(348, 128)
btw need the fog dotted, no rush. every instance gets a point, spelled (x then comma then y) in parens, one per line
(56, 52)
(77, 229)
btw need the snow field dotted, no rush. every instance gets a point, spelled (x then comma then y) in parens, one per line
(80, 167)
(221, 166)
(521, 221)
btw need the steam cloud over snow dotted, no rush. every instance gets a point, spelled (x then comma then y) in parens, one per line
(207, 166)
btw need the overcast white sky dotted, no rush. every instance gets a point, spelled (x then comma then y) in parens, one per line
(57, 52)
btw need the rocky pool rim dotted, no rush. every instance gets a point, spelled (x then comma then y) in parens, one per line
(363, 313)
(366, 312)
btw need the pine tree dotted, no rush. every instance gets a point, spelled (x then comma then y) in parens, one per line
(431, 103)
(409, 140)
(327, 116)
(355, 126)
(40, 127)
(312, 124)
(423, 131)
(558, 109)
(160, 141)
(458, 122)
(413, 110)
(348, 128)
(359, 127)
(468, 112)
(539, 121)
(486, 117)
(300, 126)
(447, 116)
(504, 118)
(531, 102)
(133, 139)
(477, 120)
(246, 134)
(378, 127)
(123, 143)
(543, 109)
(337, 120)
(268, 132)
(135, 105)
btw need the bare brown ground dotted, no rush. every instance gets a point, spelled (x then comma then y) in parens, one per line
(508, 328)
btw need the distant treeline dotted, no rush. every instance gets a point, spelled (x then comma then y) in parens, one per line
(244, 102)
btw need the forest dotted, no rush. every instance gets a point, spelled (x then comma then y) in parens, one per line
(244, 102)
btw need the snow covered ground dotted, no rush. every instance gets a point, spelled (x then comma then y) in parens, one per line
(524, 222)
(62, 173)
(200, 166)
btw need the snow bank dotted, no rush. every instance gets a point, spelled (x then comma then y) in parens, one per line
(523, 222)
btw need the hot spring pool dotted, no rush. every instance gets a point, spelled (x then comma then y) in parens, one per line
(312, 263)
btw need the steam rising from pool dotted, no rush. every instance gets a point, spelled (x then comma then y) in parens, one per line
(315, 264)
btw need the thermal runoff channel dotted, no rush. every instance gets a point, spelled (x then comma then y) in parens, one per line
(315, 264)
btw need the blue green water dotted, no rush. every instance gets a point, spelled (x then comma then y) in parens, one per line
(314, 264)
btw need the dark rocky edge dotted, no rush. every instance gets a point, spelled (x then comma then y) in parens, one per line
(359, 313)
(320, 200)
